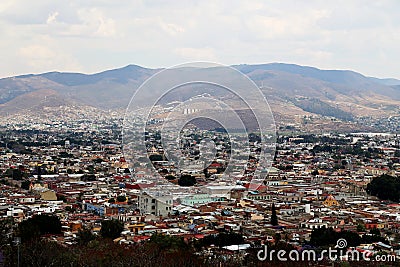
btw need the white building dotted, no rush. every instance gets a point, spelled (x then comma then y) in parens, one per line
(157, 205)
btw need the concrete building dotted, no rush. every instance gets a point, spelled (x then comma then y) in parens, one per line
(157, 205)
(196, 199)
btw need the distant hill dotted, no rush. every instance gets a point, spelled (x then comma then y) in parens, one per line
(388, 81)
(292, 90)
(333, 76)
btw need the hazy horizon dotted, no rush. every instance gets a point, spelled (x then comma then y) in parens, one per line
(89, 37)
(163, 67)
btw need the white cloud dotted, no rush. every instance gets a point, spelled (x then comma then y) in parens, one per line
(97, 35)
(41, 58)
(5, 4)
(196, 54)
(171, 28)
(106, 27)
(97, 23)
(52, 17)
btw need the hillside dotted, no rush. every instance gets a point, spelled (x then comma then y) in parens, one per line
(293, 91)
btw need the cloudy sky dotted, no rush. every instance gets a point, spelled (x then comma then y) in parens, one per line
(90, 36)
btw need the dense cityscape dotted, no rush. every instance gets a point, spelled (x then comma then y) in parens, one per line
(69, 186)
(199, 133)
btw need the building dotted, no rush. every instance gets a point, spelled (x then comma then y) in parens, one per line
(48, 195)
(157, 205)
(196, 199)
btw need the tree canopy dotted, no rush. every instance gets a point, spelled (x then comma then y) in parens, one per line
(121, 198)
(329, 237)
(167, 242)
(84, 236)
(222, 239)
(111, 228)
(385, 187)
(187, 180)
(274, 217)
(39, 225)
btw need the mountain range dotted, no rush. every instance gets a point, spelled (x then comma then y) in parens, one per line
(293, 91)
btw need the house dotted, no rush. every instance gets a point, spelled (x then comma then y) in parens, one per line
(48, 195)
(314, 223)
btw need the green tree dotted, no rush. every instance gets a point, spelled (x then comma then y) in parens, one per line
(221, 240)
(62, 198)
(327, 236)
(385, 187)
(360, 228)
(274, 217)
(25, 184)
(121, 198)
(170, 177)
(28, 230)
(371, 238)
(88, 177)
(168, 243)
(163, 171)
(323, 236)
(39, 225)
(15, 174)
(98, 160)
(375, 231)
(84, 236)
(111, 228)
(277, 237)
(6, 229)
(187, 180)
(156, 157)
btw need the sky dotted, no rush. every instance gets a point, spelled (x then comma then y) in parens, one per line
(91, 36)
